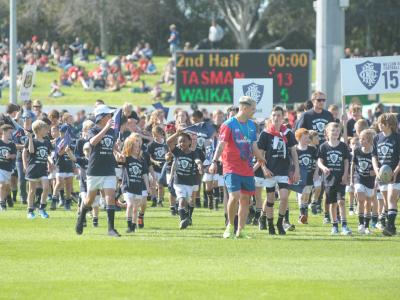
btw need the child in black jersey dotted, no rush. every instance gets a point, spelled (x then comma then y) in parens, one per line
(134, 179)
(387, 152)
(37, 149)
(8, 152)
(64, 168)
(54, 136)
(149, 173)
(354, 143)
(307, 156)
(316, 198)
(184, 179)
(362, 177)
(278, 144)
(101, 168)
(82, 163)
(333, 160)
(157, 150)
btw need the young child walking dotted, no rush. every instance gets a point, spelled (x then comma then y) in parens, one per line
(387, 152)
(8, 153)
(333, 160)
(307, 156)
(37, 150)
(134, 175)
(362, 177)
(186, 161)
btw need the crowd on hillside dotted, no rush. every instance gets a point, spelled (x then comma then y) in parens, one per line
(69, 61)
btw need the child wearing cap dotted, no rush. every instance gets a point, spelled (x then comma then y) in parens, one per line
(101, 167)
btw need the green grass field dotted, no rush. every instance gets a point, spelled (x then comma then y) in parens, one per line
(45, 259)
(75, 95)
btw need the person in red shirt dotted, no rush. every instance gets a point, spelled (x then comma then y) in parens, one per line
(237, 144)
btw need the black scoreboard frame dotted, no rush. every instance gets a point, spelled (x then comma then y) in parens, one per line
(233, 51)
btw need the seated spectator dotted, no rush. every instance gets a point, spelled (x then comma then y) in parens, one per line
(187, 47)
(66, 60)
(55, 90)
(76, 46)
(57, 56)
(156, 92)
(45, 48)
(142, 89)
(99, 83)
(169, 72)
(143, 62)
(112, 83)
(84, 54)
(53, 49)
(86, 82)
(146, 52)
(64, 79)
(43, 63)
(98, 54)
(135, 56)
(134, 71)
(151, 68)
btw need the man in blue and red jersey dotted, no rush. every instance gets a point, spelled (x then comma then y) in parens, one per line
(237, 144)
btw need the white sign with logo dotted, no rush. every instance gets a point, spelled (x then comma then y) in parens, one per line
(370, 75)
(259, 89)
(28, 76)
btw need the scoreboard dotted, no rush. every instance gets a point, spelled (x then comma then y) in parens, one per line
(206, 76)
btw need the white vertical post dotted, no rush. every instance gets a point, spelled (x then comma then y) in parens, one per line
(13, 51)
(330, 42)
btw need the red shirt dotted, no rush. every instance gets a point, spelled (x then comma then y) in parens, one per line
(232, 134)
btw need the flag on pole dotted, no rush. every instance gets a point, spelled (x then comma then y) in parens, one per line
(63, 142)
(205, 128)
(158, 105)
(17, 134)
(117, 122)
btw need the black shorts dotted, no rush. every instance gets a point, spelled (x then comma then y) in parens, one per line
(197, 179)
(335, 193)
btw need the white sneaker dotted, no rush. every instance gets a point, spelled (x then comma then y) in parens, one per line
(286, 226)
(368, 231)
(361, 229)
(380, 226)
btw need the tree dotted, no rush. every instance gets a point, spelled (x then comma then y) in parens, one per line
(99, 16)
(289, 24)
(243, 17)
(373, 25)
